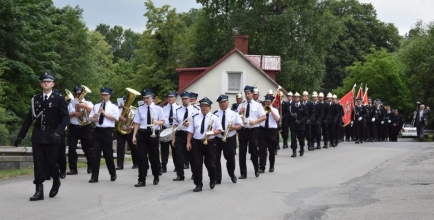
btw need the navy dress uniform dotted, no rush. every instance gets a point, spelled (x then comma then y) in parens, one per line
(359, 116)
(317, 120)
(268, 135)
(169, 112)
(339, 121)
(254, 113)
(370, 121)
(308, 127)
(200, 141)
(78, 131)
(104, 114)
(299, 116)
(231, 122)
(239, 98)
(49, 113)
(379, 115)
(286, 117)
(332, 116)
(183, 116)
(324, 123)
(147, 123)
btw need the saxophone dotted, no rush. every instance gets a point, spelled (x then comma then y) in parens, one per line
(128, 112)
(227, 129)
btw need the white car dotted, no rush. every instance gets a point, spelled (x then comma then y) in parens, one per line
(407, 130)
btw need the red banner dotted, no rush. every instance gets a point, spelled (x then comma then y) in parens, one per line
(365, 97)
(347, 103)
(277, 100)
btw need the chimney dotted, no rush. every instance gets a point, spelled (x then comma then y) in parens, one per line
(242, 43)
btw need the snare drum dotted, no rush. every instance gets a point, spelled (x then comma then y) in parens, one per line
(166, 135)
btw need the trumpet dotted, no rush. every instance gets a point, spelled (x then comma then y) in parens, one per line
(205, 142)
(153, 127)
(267, 109)
(227, 129)
(243, 116)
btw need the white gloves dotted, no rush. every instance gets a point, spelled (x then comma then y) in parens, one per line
(360, 118)
(389, 121)
(352, 122)
(373, 120)
(382, 122)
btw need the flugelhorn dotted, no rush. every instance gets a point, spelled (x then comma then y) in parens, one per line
(227, 129)
(205, 142)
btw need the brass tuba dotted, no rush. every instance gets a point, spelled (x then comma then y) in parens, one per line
(83, 118)
(68, 96)
(128, 112)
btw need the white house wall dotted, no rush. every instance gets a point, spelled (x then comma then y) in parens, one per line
(212, 84)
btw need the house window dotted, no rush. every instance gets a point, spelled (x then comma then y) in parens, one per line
(234, 82)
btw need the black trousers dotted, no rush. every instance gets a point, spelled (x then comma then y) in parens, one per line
(297, 134)
(102, 141)
(331, 133)
(379, 128)
(165, 153)
(45, 156)
(316, 134)
(308, 134)
(122, 139)
(181, 151)
(84, 134)
(203, 154)
(267, 141)
(228, 152)
(391, 131)
(385, 135)
(61, 155)
(147, 145)
(367, 131)
(248, 139)
(420, 129)
(325, 133)
(359, 129)
(285, 131)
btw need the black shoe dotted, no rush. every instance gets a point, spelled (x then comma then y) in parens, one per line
(325, 146)
(361, 142)
(271, 169)
(179, 178)
(134, 167)
(234, 179)
(93, 181)
(332, 145)
(275, 153)
(257, 173)
(261, 171)
(119, 168)
(197, 189)
(285, 146)
(47, 177)
(89, 170)
(318, 147)
(62, 175)
(174, 170)
(156, 180)
(72, 172)
(160, 172)
(242, 177)
(39, 194)
(163, 169)
(218, 182)
(357, 142)
(294, 155)
(278, 147)
(212, 184)
(55, 188)
(301, 153)
(186, 166)
(140, 184)
(113, 177)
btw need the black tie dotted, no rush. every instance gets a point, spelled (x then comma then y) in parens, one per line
(224, 120)
(148, 116)
(266, 121)
(45, 98)
(186, 113)
(202, 127)
(248, 110)
(101, 116)
(171, 115)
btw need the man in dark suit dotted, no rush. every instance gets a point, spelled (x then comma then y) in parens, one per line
(339, 122)
(331, 119)
(370, 128)
(308, 127)
(421, 120)
(358, 117)
(379, 116)
(317, 120)
(239, 98)
(299, 115)
(286, 120)
(397, 125)
(50, 114)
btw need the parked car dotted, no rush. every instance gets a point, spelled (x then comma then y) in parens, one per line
(407, 130)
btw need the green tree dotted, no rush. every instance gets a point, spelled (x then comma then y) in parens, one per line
(122, 42)
(383, 73)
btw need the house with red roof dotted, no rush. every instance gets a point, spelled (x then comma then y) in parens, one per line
(231, 73)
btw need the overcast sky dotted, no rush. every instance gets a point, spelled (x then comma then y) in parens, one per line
(129, 13)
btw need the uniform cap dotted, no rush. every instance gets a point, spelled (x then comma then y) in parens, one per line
(47, 77)
(171, 93)
(239, 95)
(255, 91)
(290, 93)
(270, 92)
(321, 94)
(269, 98)
(205, 101)
(185, 95)
(297, 94)
(106, 90)
(314, 94)
(222, 98)
(335, 96)
(249, 88)
(78, 89)
(329, 95)
(147, 92)
(305, 93)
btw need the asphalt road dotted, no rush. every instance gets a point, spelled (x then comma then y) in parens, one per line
(367, 181)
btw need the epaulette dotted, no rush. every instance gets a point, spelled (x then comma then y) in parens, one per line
(215, 111)
(178, 108)
(196, 107)
(216, 115)
(194, 115)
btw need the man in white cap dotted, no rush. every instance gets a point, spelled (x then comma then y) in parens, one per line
(324, 122)
(358, 120)
(239, 100)
(256, 95)
(286, 116)
(316, 123)
(299, 116)
(338, 125)
(331, 118)
(311, 113)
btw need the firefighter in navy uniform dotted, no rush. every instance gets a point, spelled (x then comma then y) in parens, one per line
(370, 121)
(358, 120)
(308, 127)
(316, 123)
(239, 98)
(324, 122)
(50, 114)
(286, 120)
(339, 122)
(299, 115)
(256, 96)
(379, 115)
(331, 118)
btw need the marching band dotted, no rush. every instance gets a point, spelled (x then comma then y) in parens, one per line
(193, 134)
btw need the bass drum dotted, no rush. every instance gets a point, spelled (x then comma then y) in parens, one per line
(166, 135)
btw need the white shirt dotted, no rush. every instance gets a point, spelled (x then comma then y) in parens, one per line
(110, 109)
(271, 122)
(166, 110)
(141, 116)
(71, 109)
(196, 125)
(256, 111)
(229, 115)
(178, 117)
